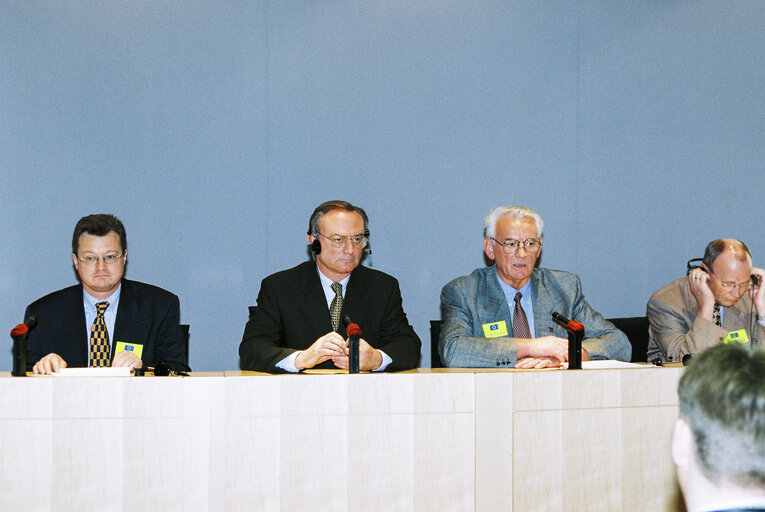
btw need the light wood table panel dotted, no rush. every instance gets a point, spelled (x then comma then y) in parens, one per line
(444, 439)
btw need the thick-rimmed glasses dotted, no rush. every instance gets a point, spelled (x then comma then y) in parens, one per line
(511, 245)
(109, 259)
(339, 241)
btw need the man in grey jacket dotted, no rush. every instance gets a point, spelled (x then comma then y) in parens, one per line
(501, 316)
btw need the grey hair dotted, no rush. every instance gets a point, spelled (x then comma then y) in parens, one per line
(517, 212)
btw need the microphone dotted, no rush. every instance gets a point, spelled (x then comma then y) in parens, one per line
(569, 325)
(575, 336)
(22, 329)
(19, 335)
(354, 333)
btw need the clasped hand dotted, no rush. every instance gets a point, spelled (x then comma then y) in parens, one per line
(333, 346)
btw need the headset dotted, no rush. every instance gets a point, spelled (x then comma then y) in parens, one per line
(696, 263)
(315, 246)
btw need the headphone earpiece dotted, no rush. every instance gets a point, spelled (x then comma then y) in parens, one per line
(316, 246)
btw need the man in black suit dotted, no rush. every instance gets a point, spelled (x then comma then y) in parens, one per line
(718, 444)
(105, 320)
(296, 324)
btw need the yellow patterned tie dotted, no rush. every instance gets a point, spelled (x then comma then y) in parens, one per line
(99, 338)
(337, 306)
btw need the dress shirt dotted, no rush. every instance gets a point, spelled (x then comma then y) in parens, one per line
(526, 302)
(110, 315)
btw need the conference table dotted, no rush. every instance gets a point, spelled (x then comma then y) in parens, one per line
(426, 439)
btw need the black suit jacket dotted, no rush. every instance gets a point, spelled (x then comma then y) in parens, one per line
(292, 313)
(146, 314)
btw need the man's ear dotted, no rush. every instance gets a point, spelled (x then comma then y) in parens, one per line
(488, 248)
(683, 445)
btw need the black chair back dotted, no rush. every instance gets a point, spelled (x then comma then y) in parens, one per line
(435, 331)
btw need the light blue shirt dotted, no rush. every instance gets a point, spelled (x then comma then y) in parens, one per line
(110, 315)
(526, 303)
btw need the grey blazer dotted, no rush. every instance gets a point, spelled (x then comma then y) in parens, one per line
(676, 331)
(469, 302)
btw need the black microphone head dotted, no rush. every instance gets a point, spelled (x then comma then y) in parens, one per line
(31, 322)
(687, 359)
(347, 321)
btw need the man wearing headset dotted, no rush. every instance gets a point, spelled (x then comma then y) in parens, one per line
(720, 301)
(297, 323)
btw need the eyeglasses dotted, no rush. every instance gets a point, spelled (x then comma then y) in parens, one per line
(339, 241)
(109, 259)
(731, 285)
(511, 246)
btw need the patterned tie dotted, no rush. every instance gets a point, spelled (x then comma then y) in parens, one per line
(99, 338)
(716, 316)
(520, 322)
(337, 306)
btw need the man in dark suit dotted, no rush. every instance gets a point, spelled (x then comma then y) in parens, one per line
(501, 316)
(297, 321)
(105, 320)
(718, 444)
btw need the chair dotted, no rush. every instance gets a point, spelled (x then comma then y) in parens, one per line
(185, 332)
(636, 329)
(435, 330)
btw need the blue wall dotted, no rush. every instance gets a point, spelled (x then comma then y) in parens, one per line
(212, 129)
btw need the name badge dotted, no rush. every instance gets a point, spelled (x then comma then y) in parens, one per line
(739, 336)
(135, 348)
(495, 330)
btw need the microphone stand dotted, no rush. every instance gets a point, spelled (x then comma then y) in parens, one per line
(575, 332)
(19, 354)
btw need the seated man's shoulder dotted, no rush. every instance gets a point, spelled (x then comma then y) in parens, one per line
(670, 292)
(147, 290)
(556, 275)
(471, 282)
(55, 299)
(290, 276)
(373, 275)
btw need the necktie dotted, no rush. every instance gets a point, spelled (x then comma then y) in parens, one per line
(99, 338)
(716, 316)
(337, 306)
(520, 322)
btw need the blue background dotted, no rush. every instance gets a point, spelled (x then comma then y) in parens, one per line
(212, 129)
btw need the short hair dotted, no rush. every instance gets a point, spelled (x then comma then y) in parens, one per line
(716, 247)
(722, 397)
(328, 206)
(100, 224)
(517, 212)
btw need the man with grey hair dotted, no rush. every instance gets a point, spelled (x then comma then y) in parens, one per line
(718, 444)
(501, 316)
(716, 303)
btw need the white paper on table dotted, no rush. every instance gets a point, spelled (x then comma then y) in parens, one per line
(93, 372)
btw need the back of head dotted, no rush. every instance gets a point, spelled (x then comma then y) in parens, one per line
(516, 212)
(722, 397)
(328, 206)
(716, 247)
(100, 224)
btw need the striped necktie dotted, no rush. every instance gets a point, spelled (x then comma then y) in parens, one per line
(520, 322)
(716, 316)
(99, 338)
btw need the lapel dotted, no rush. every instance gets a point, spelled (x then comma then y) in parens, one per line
(73, 323)
(354, 303)
(543, 304)
(312, 295)
(494, 306)
(129, 326)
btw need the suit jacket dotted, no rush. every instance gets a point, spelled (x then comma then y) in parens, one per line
(674, 330)
(469, 302)
(146, 315)
(292, 313)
